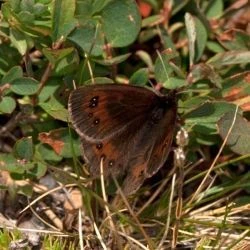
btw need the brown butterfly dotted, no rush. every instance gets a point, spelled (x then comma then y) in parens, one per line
(131, 128)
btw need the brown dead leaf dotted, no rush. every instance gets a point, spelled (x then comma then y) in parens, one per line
(74, 200)
(72, 205)
(53, 139)
(240, 18)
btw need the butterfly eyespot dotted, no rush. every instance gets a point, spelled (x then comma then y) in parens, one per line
(99, 145)
(94, 102)
(90, 115)
(111, 163)
(96, 121)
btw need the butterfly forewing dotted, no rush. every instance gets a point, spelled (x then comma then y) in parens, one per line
(99, 112)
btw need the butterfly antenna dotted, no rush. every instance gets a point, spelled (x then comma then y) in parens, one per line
(74, 84)
(151, 83)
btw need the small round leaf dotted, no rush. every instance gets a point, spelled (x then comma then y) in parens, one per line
(239, 138)
(25, 86)
(24, 148)
(121, 22)
(7, 105)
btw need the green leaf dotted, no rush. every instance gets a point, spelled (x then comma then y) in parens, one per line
(26, 190)
(7, 105)
(98, 5)
(229, 58)
(163, 69)
(39, 9)
(209, 112)
(201, 39)
(192, 103)
(145, 57)
(15, 5)
(23, 170)
(215, 47)
(114, 60)
(148, 21)
(215, 9)
(10, 163)
(174, 83)
(14, 73)
(55, 55)
(55, 109)
(24, 149)
(239, 138)
(84, 10)
(27, 5)
(19, 41)
(39, 170)
(140, 77)
(9, 56)
(207, 115)
(25, 86)
(206, 138)
(197, 37)
(89, 38)
(63, 21)
(121, 22)
(67, 65)
(26, 17)
(48, 90)
(99, 80)
(47, 154)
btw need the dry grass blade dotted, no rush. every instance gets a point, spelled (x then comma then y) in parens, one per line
(169, 214)
(201, 186)
(80, 229)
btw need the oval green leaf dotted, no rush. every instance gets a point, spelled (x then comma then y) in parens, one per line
(89, 39)
(25, 86)
(24, 148)
(121, 22)
(174, 83)
(140, 77)
(239, 138)
(14, 73)
(7, 105)
(55, 109)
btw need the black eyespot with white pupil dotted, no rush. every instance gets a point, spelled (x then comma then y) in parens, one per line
(94, 102)
(111, 163)
(99, 146)
(96, 121)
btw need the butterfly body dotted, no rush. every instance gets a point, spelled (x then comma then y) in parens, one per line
(130, 128)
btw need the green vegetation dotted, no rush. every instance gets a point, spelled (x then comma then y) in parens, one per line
(199, 48)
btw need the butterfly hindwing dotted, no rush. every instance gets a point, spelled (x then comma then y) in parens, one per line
(152, 147)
